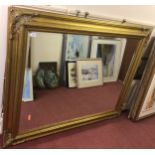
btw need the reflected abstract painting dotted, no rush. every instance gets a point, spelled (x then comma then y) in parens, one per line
(77, 46)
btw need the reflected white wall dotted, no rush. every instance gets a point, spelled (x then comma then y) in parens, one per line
(46, 47)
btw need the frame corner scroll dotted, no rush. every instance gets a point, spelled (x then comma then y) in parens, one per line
(7, 139)
(18, 19)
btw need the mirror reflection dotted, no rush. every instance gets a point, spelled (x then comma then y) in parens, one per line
(68, 76)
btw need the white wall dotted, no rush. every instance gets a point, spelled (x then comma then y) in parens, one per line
(46, 47)
(3, 37)
(141, 14)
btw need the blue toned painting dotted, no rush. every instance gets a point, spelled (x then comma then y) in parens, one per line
(77, 47)
(28, 88)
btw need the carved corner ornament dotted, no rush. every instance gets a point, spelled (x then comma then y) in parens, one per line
(18, 19)
(8, 139)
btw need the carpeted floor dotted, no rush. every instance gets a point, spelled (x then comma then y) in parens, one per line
(61, 104)
(115, 133)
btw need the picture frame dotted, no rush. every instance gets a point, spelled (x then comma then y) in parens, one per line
(77, 46)
(71, 74)
(28, 86)
(111, 58)
(143, 103)
(89, 73)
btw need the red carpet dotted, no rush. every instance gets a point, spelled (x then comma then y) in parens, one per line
(52, 106)
(115, 133)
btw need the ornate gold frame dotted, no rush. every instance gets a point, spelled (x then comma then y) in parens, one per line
(143, 88)
(23, 19)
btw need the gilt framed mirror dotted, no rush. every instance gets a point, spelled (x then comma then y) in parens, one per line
(37, 98)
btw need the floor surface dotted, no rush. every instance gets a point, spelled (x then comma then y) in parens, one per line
(56, 105)
(115, 133)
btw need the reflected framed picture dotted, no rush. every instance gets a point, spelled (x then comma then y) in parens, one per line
(89, 73)
(28, 86)
(77, 46)
(111, 53)
(71, 74)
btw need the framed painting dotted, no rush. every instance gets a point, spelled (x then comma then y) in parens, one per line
(89, 73)
(111, 53)
(28, 86)
(71, 74)
(77, 46)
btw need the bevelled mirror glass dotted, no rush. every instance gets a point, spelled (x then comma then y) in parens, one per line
(64, 71)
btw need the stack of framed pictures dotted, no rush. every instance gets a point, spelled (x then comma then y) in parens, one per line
(74, 47)
(144, 99)
(138, 76)
(91, 47)
(109, 53)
